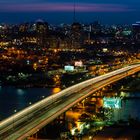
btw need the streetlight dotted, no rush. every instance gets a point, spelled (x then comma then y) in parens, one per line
(43, 96)
(30, 103)
(13, 117)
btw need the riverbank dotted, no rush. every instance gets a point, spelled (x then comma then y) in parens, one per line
(43, 81)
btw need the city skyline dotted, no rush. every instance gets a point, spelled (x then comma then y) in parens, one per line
(58, 11)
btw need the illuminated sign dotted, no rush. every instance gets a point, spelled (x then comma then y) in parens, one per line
(78, 63)
(105, 49)
(69, 68)
(112, 102)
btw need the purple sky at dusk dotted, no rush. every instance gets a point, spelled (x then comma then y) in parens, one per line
(54, 8)
(68, 7)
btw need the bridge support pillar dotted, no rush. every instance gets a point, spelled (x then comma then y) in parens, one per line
(65, 120)
(83, 103)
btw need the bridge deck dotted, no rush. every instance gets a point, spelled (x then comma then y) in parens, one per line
(22, 126)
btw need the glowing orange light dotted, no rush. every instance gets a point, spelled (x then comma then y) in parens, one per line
(35, 66)
(56, 90)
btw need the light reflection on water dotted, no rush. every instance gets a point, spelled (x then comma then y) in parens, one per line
(130, 109)
(16, 99)
(73, 115)
(21, 98)
(20, 92)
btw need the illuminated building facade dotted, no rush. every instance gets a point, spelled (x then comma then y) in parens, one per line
(42, 31)
(136, 30)
(76, 35)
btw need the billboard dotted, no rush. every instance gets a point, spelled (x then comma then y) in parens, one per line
(114, 102)
(78, 63)
(69, 68)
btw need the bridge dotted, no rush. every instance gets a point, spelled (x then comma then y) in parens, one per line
(30, 120)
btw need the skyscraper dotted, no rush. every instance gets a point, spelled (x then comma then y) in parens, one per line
(41, 30)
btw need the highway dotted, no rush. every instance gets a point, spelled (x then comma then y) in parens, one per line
(32, 119)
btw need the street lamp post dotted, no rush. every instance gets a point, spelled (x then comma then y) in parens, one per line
(30, 103)
(14, 117)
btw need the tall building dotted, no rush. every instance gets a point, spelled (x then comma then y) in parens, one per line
(136, 30)
(42, 31)
(96, 27)
(76, 35)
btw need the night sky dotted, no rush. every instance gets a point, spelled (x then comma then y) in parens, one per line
(61, 11)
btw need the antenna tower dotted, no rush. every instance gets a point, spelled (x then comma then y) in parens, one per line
(74, 12)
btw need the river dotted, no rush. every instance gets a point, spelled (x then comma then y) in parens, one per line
(15, 99)
(130, 108)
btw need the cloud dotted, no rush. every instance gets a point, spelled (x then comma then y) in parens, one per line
(17, 1)
(64, 7)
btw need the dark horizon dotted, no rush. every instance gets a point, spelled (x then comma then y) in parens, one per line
(67, 17)
(61, 11)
